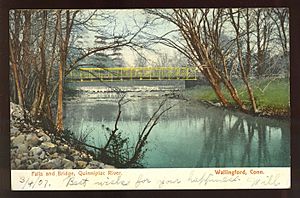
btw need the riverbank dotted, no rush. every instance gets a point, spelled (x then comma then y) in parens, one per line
(32, 147)
(272, 97)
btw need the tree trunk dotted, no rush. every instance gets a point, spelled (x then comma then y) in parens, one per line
(63, 46)
(236, 26)
(14, 51)
(16, 77)
(251, 97)
(216, 87)
(59, 115)
(246, 82)
(36, 102)
(45, 102)
(26, 45)
(248, 54)
(258, 44)
(215, 84)
(234, 95)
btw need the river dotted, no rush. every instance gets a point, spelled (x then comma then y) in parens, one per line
(189, 135)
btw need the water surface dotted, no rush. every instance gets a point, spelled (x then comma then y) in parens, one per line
(189, 135)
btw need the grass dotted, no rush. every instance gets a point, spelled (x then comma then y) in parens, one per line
(276, 95)
(270, 94)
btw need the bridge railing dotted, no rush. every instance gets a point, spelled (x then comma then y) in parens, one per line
(133, 73)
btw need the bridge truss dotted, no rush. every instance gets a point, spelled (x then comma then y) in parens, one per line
(133, 73)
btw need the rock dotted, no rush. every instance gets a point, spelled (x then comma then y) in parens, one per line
(54, 155)
(13, 151)
(81, 164)
(23, 148)
(95, 164)
(49, 147)
(19, 155)
(62, 155)
(218, 104)
(68, 164)
(74, 151)
(22, 167)
(52, 164)
(84, 155)
(14, 130)
(70, 157)
(34, 165)
(106, 166)
(42, 155)
(24, 160)
(90, 157)
(35, 148)
(31, 160)
(39, 132)
(63, 148)
(18, 140)
(25, 154)
(36, 151)
(74, 157)
(47, 165)
(17, 162)
(16, 110)
(43, 137)
(57, 162)
(13, 166)
(32, 139)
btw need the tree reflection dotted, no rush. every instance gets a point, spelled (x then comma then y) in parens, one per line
(239, 140)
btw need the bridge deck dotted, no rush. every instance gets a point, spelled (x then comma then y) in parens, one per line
(133, 73)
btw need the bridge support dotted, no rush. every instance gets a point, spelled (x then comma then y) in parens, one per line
(193, 83)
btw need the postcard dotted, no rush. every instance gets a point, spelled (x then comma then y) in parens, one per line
(139, 99)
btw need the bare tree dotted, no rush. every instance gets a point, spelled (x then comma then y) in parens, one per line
(14, 49)
(43, 53)
(140, 61)
(63, 49)
(236, 25)
(263, 29)
(201, 30)
(117, 150)
(224, 44)
(280, 17)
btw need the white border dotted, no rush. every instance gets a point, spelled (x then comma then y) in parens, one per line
(151, 179)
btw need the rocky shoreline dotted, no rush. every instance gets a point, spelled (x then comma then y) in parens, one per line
(35, 148)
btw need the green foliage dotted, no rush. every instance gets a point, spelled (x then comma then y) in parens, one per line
(76, 139)
(118, 151)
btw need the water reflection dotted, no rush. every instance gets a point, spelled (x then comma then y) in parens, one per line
(234, 139)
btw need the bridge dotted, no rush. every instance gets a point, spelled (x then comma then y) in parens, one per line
(133, 73)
